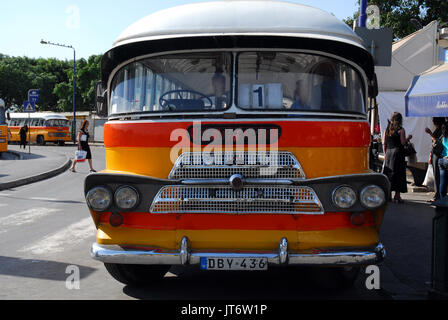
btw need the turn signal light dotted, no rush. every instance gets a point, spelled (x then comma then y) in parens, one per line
(116, 219)
(358, 219)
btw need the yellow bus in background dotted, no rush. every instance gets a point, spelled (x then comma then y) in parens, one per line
(45, 127)
(3, 128)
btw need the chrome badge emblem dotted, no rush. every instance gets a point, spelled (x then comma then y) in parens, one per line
(236, 182)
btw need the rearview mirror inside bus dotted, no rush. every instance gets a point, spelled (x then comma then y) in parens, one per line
(101, 100)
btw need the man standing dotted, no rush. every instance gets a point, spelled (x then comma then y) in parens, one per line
(23, 131)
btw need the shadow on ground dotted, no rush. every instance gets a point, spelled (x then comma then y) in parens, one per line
(189, 283)
(39, 269)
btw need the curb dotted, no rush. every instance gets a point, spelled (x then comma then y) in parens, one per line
(36, 178)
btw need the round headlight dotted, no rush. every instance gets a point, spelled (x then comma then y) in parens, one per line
(99, 198)
(344, 197)
(372, 197)
(126, 198)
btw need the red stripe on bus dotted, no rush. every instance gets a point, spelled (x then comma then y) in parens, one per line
(293, 133)
(328, 221)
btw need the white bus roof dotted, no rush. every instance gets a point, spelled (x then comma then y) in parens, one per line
(238, 24)
(239, 17)
(37, 115)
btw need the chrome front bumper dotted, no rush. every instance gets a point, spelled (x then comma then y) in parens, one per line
(185, 256)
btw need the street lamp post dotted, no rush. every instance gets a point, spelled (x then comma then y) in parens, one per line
(74, 84)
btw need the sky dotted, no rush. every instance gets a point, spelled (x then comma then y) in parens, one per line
(91, 26)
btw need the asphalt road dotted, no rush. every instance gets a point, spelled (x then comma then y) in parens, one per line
(46, 228)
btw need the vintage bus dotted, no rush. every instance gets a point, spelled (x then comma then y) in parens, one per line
(237, 139)
(3, 128)
(44, 127)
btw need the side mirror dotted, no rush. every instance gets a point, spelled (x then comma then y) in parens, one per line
(101, 100)
(8, 116)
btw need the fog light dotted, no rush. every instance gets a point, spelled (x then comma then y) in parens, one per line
(99, 198)
(358, 219)
(126, 198)
(372, 197)
(116, 219)
(344, 197)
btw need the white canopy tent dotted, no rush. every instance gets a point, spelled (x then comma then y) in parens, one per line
(411, 56)
(393, 101)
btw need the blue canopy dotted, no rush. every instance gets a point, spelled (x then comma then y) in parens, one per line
(428, 94)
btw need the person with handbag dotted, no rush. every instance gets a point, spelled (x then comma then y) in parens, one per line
(83, 144)
(443, 162)
(436, 153)
(394, 139)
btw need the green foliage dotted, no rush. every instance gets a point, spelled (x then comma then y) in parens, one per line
(54, 79)
(397, 14)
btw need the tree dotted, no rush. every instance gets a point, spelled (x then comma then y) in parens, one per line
(397, 14)
(87, 73)
(53, 78)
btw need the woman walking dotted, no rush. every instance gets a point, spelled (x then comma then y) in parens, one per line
(434, 158)
(395, 161)
(83, 144)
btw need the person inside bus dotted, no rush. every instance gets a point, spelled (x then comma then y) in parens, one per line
(23, 132)
(83, 144)
(219, 89)
(298, 97)
(327, 93)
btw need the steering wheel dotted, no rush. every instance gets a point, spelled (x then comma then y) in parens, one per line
(165, 103)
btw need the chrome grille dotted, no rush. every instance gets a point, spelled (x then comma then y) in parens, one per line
(251, 165)
(225, 200)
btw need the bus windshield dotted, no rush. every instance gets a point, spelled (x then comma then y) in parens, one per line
(269, 81)
(297, 82)
(56, 123)
(182, 82)
(2, 116)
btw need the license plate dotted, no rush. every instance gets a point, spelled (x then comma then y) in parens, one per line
(248, 264)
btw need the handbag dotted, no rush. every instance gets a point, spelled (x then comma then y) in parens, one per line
(80, 155)
(437, 147)
(429, 178)
(409, 149)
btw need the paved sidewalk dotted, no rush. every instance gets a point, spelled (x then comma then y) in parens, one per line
(407, 235)
(18, 167)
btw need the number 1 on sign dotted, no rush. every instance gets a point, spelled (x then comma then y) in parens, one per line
(258, 96)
